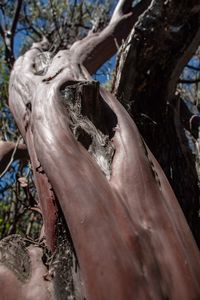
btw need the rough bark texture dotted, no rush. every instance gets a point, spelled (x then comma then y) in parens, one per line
(152, 60)
(129, 235)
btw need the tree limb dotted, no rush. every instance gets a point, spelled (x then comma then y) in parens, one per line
(8, 151)
(189, 81)
(36, 31)
(127, 218)
(16, 16)
(193, 68)
(14, 23)
(2, 31)
(96, 48)
(189, 120)
(9, 35)
(158, 49)
(11, 159)
(124, 227)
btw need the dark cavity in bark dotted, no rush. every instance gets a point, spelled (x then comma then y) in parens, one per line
(92, 121)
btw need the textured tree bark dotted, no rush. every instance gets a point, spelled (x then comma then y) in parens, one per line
(129, 235)
(161, 43)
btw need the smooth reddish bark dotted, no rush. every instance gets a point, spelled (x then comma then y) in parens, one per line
(127, 231)
(129, 234)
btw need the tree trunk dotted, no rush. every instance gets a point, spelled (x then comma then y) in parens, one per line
(160, 45)
(124, 228)
(129, 235)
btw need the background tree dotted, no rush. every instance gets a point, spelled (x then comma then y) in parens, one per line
(115, 201)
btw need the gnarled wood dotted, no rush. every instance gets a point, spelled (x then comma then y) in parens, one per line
(128, 232)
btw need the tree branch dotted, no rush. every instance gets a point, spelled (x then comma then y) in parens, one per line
(160, 45)
(36, 31)
(2, 32)
(16, 16)
(96, 48)
(15, 21)
(189, 81)
(193, 68)
(123, 7)
(8, 36)
(155, 54)
(8, 151)
(190, 121)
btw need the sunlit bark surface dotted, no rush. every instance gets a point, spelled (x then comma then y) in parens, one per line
(130, 237)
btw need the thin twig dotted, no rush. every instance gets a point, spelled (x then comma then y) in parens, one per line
(193, 68)
(189, 81)
(11, 159)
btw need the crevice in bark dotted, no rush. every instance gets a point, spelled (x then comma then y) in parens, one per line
(63, 267)
(90, 125)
